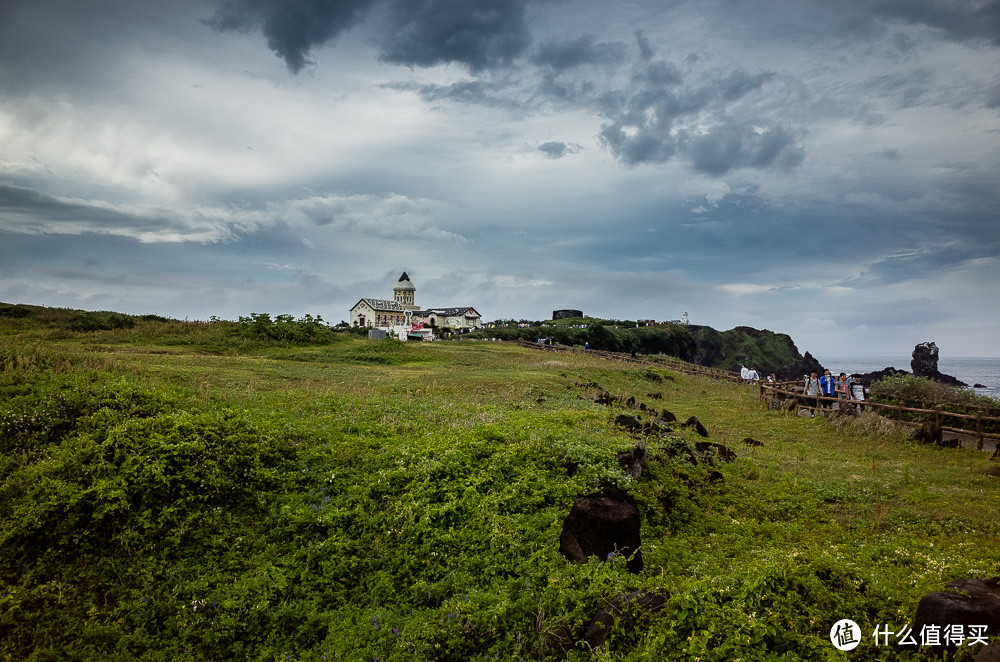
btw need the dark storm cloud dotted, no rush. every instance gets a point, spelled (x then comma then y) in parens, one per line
(564, 55)
(661, 116)
(745, 145)
(29, 211)
(475, 92)
(557, 149)
(292, 27)
(993, 97)
(480, 34)
(958, 20)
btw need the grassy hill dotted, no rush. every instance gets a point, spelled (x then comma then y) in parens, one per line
(175, 491)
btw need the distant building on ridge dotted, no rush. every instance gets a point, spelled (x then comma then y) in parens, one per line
(401, 316)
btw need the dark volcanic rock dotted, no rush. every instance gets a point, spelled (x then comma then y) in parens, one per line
(628, 422)
(605, 619)
(925, 364)
(713, 449)
(696, 424)
(601, 525)
(928, 433)
(634, 461)
(981, 606)
(869, 378)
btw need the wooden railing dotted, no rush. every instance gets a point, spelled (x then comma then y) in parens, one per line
(787, 390)
(897, 412)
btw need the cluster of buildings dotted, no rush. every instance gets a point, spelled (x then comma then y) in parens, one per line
(402, 318)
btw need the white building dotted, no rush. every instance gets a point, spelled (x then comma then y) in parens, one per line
(401, 316)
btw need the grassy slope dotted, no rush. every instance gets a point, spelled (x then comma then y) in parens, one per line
(404, 502)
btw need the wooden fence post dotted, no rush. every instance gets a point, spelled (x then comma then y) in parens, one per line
(979, 430)
(937, 416)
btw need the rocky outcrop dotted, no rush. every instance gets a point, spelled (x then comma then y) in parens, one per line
(643, 602)
(967, 603)
(602, 525)
(764, 350)
(870, 378)
(925, 364)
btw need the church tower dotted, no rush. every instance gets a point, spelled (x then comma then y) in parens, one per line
(404, 292)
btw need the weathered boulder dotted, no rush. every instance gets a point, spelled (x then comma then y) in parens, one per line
(633, 462)
(713, 450)
(928, 433)
(628, 422)
(750, 441)
(601, 525)
(989, 653)
(693, 422)
(604, 620)
(967, 602)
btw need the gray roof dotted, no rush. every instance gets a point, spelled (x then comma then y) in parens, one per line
(382, 305)
(448, 312)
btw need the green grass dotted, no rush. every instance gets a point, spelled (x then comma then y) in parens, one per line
(172, 493)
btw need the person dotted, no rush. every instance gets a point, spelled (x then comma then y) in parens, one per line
(828, 385)
(633, 351)
(752, 376)
(812, 389)
(586, 345)
(842, 387)
(858, 394)
(772, 378)
(744, 374)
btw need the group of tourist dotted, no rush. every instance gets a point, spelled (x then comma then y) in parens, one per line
(751, 376)
(841, 387)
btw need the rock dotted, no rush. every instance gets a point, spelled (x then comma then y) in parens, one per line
(928, 433)
(603, 524)
(630, 403)
(656, 396)
(868, 378)
(628, 422)
(980, 606)
(652, 376)
(605, 619)
(989, 653)
(925, 364)
(667, 416)
(634, 461)
(696, 424)
(604, 398)
(720, 451)
(749, 441)
(979, 386)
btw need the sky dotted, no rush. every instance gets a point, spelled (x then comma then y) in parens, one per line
(826, 170)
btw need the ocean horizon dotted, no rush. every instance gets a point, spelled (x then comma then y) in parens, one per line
(970, 369)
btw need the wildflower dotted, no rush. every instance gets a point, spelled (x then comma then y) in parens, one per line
(395, 631)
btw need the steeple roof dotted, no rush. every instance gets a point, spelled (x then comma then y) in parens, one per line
(404, 284)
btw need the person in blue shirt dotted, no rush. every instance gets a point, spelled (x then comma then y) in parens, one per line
(828, 384)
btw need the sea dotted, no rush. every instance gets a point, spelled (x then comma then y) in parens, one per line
(971, 370)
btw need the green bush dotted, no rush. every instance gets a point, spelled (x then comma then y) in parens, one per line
(284, 328)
